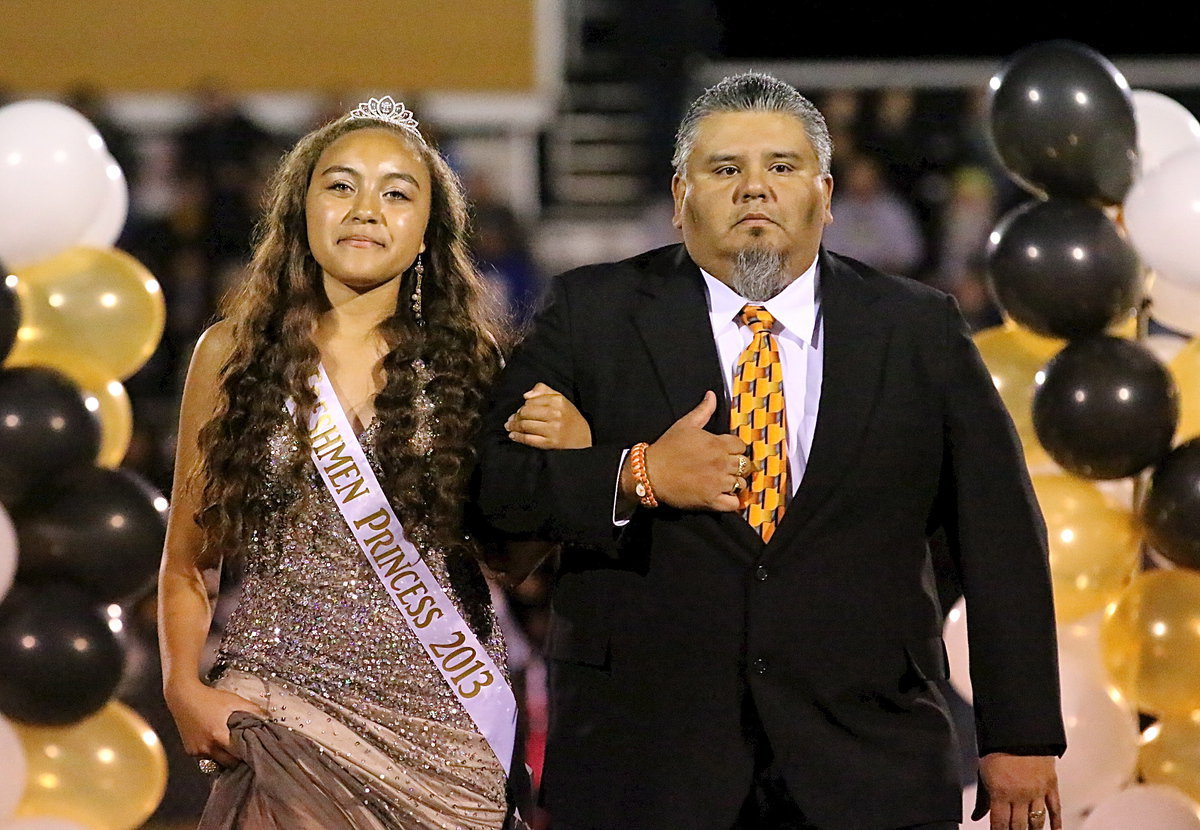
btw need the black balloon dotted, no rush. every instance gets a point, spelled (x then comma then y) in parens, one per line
(101, 529)
(45, 428)
(1105, 408)
(1062, 122)
(1060, 268)
(61, 661)
(10, 317)
(1171, 511)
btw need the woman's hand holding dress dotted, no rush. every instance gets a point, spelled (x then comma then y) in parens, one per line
(202, 713)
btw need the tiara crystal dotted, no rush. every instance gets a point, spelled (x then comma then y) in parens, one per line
(386, 109)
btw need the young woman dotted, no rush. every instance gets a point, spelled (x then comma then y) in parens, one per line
(360, 681)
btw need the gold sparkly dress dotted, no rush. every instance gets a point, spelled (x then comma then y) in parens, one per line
(362, 725)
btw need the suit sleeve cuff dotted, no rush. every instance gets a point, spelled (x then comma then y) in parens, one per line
(1027, 749)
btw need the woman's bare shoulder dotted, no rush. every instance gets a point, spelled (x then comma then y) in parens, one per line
(212, 349)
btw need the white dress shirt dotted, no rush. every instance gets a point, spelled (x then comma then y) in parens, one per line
(799, 335)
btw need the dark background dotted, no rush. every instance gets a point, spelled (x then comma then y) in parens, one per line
(825, 29)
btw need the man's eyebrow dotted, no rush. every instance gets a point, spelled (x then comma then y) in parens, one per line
(717, 158)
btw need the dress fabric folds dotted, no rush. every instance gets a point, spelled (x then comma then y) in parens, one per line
(361, 731)
(285, 782)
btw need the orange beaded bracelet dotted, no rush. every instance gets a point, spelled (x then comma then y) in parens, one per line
(641, 485)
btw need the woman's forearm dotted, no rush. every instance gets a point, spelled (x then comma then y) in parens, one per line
(184, 617)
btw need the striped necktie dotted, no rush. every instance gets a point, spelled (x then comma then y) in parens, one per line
(759, 418)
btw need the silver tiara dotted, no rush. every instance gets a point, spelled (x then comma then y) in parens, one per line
(386, 109)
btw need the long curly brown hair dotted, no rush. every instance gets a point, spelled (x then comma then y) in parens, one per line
(273, 318)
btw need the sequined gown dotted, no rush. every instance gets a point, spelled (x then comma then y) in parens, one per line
(316, 641)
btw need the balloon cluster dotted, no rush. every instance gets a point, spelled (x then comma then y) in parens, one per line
(1110, 423)
(80, 536)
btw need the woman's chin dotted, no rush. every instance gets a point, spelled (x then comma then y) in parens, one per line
(361, 284)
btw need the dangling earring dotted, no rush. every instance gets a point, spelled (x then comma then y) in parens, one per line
(419, 270)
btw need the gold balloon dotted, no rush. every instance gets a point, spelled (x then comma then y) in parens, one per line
(1170, 755)
(1046, 347)
(1094, 543)
(1014, 355)
(103, 395)
(115, 411)
(1150, 638)
(106, 772)
(1185, 368)
(96, 303)
(1127, 328)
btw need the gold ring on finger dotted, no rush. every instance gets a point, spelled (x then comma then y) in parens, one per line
(208, 766)
(744, 466)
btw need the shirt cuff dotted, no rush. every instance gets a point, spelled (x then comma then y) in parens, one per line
(619, 521)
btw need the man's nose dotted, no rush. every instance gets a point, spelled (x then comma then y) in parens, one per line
(753, 186)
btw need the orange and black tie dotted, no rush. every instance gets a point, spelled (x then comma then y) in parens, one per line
(759, 418)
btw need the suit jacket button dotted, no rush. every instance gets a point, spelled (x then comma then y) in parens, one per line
(760, 573)
(759, 666)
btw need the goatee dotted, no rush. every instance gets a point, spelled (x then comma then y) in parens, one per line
(759, 274)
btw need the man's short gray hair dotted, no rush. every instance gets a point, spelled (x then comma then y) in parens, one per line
(752, 92)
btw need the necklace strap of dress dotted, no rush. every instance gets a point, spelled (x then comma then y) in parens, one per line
(460, 658)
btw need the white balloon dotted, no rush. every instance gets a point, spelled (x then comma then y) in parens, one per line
(1102, 733)
(1175, 306)
(1145, 806)
(1121, 490)
(8, 553)
(1164, 127)
(53, 179)
(1167, 346)
(114, 210)
(1079, 649)
(12, 762)
(1162, 215)
(954, 635)
(40, 823)
(1071, 821)
(1102, 736)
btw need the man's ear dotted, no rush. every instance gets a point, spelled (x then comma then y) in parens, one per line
(678, 191)
(827, 186)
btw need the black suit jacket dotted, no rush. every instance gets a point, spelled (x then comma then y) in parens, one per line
(667, 633)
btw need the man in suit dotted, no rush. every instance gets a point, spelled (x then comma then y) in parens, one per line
(745, 629)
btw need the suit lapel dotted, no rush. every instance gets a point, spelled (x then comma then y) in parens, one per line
(673, 321)
(856, 338)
